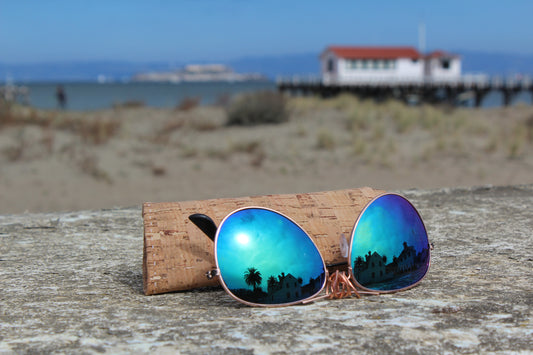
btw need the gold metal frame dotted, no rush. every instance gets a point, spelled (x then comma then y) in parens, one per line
(339, 284)
(223, 284)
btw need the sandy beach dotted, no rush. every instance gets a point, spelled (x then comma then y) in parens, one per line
(65, 160)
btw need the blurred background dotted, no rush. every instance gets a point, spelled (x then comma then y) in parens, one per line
(115, 103)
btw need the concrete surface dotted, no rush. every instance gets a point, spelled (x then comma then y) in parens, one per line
(71, 283)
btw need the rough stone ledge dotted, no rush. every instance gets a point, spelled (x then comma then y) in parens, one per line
(71, 282)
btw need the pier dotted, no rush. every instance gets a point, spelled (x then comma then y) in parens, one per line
(454, 92)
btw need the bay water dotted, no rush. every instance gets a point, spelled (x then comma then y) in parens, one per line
(85, 96)
(95, 96)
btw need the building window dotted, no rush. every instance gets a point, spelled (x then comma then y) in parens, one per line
(351, 64)
(364, 64)
(330, 65)
(445, 64)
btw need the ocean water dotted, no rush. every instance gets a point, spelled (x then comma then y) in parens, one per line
(95, 96)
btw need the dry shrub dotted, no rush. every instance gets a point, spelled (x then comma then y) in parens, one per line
(517, 141)
(245, 147)
(163, 135)
(16, 152)
(188, 151)
(257, 159)
(359, 146)
(262, 107)
(158, 170)
(88, 164)
(48, 139)
(188, 103)
(97, 131)
(129, 104)
(302, 105)
(6, 116)
(12, 114)
(529, 128)
(91, 130)
(254, 148)
(204, 123)
(344, 102)
(359, 120)
(325, 140)
(223, 100)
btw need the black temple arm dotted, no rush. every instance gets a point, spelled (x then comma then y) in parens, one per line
(205, 223)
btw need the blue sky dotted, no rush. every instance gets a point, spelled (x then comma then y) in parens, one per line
(185, 30)
(385, 225)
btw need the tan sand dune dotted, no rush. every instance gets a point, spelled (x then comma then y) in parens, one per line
(55, 161)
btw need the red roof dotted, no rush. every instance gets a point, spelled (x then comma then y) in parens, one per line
(441, 54)
(374, 52)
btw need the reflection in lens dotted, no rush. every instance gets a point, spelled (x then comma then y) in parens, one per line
(390, 248)
(264, 258)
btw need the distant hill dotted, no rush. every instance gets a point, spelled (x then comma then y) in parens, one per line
(271, 66)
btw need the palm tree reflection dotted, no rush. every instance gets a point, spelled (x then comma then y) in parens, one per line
(252, 277)
(283, 288)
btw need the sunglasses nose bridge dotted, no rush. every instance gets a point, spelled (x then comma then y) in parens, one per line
(343, 245)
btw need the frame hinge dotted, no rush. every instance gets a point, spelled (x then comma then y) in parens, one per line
(211, 273)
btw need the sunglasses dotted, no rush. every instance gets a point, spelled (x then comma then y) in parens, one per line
(264, 258)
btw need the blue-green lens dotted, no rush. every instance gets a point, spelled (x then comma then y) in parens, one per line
(390, 248)
(264, 258)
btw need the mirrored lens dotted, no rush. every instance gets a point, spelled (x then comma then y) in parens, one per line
(264, 258)
(390, 248)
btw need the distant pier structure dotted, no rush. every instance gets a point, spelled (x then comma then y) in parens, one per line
(401, 72)
(453, 92)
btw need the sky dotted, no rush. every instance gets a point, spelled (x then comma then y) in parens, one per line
(210, 30)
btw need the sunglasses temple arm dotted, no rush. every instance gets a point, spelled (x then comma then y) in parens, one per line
(205, 224)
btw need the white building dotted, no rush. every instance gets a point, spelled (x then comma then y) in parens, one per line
(374, 269)
(406, 259)
(286, 289)
(442, 66)
(348, 65)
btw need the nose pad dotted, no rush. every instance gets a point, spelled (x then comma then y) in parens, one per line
(343, 245)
